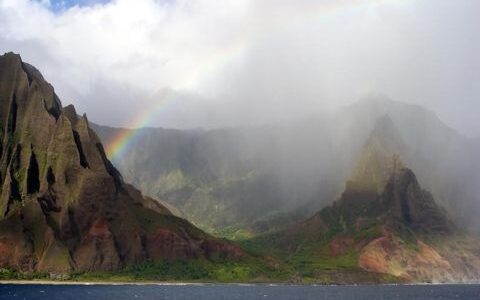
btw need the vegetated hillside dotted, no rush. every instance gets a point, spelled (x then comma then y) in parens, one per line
(383, 223)
(64, 208)
(260, 178)
(220, 179)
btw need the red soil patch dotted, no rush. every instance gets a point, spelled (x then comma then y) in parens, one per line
(339, 245)
(100, 229)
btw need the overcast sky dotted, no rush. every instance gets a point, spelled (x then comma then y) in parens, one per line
(233, 62)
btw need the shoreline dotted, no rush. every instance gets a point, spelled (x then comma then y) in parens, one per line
(173, 283)
(72, 282)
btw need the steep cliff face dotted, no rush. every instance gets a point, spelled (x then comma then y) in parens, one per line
(383, 190)
(63, 206)
(379, 157)
(384, 222)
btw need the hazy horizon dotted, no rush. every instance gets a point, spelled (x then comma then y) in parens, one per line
(209, 64)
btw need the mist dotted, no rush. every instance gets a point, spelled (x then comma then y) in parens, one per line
(308, 142)
(237, 63)
(268, 103)
(264, 176)
(275, 100)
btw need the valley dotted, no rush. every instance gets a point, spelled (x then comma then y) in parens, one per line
(370, 194)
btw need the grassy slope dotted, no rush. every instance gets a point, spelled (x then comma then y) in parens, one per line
(269, 261)
(272, 258)
(311, 260)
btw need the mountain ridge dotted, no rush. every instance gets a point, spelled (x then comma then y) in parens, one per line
(306, 162)
(64, 207)
(397, 230)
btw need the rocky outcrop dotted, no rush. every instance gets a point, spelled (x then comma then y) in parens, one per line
(413, 207)
(63, 206)
(390, 254)
(446, 259)
(383, 191)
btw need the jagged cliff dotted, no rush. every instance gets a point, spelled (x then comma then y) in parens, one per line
(385, 223)
(63, 206)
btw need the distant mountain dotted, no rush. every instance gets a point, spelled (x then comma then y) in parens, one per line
(382, 190)
(446, 162)
(239, 181)
(219, 179)
(383, 223)
(64, 208)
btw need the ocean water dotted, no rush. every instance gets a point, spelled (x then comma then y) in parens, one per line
(214, 291)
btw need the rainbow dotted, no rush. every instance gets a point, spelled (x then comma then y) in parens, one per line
(125, 138)
(217, 60)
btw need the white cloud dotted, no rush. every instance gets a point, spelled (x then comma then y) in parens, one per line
(250, 61)
(144, 45)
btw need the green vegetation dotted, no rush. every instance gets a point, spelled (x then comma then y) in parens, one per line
(190, 270)
(42, 157)
(234, 233)
(11, 274)
(309, 265)
(247, 271)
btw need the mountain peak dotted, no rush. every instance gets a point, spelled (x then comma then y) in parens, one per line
(63, 206)
(379, 158)
(385, 133)
(384, 124)
(380, 179)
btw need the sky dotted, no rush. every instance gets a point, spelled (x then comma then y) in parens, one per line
(210, 63)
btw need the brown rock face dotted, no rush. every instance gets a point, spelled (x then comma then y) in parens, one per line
(391, 255)
(63, 206)
(413, 206)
